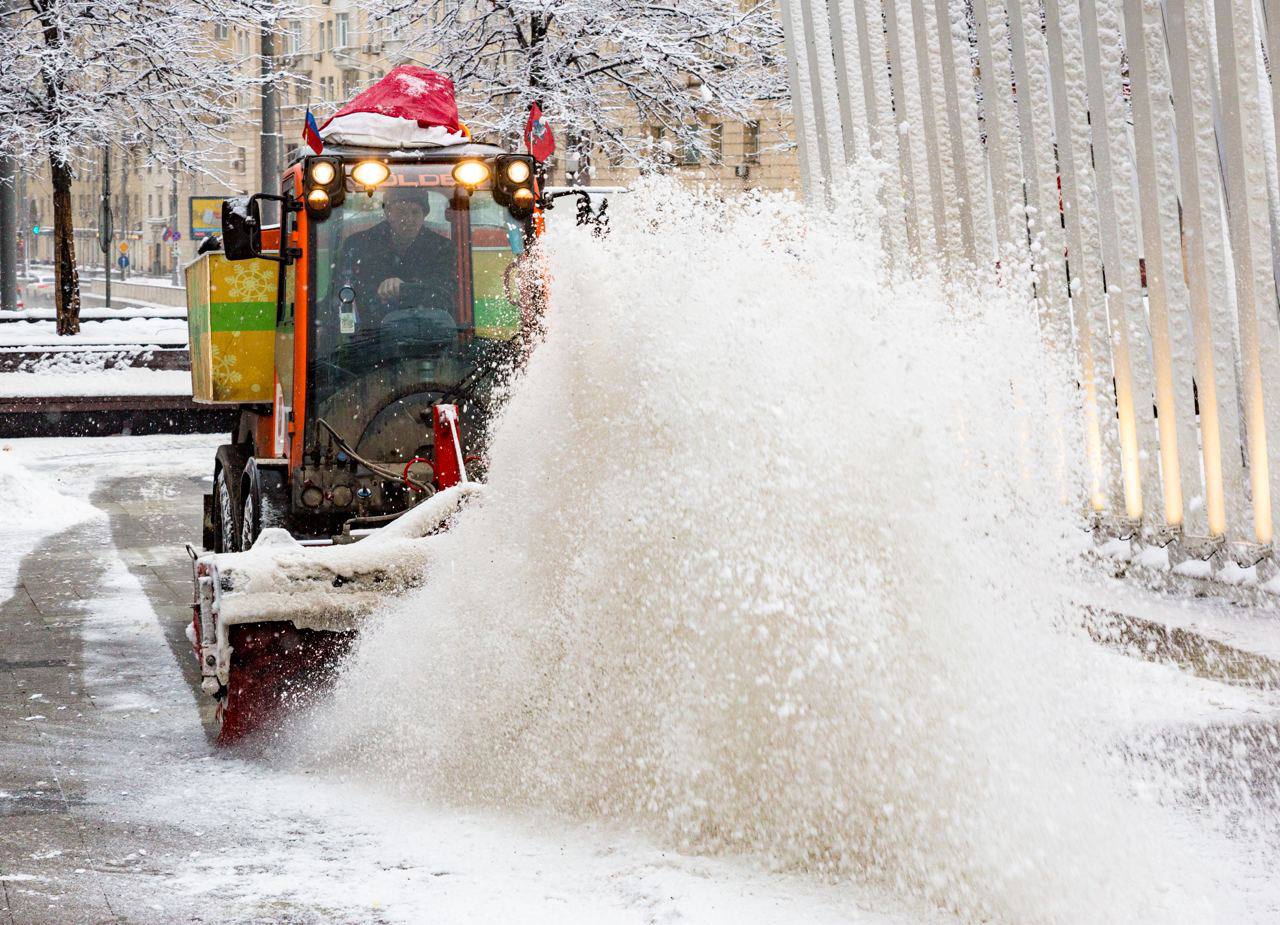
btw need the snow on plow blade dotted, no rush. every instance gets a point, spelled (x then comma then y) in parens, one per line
(269, 625)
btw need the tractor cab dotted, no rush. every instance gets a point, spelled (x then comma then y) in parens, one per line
(396, 306)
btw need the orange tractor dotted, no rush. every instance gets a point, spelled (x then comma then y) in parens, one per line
(360, 338)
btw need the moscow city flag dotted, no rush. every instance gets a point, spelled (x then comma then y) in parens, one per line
(537, 135)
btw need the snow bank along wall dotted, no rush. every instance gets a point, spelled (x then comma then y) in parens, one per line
(1117, 160)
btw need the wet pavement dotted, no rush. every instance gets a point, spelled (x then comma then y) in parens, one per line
(64, 854)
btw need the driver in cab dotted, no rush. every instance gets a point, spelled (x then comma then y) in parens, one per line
(400, 263)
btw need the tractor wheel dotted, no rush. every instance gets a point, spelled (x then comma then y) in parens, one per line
(251, 514)
(226, 535)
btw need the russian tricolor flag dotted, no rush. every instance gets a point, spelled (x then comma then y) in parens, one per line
(311, 134)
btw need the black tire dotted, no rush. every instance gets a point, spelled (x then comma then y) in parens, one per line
(226, 526)
(251, 506)
(228, 476)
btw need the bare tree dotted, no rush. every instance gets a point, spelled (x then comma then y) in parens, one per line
(597, 67)
(153, 74)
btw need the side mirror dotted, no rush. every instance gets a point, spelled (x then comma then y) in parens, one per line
(241, 228)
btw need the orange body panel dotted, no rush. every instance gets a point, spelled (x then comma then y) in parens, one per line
(301, 322)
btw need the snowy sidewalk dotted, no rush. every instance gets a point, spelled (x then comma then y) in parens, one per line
(1214, 631)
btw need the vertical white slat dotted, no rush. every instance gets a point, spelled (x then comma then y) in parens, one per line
(820, 115)
(1221, 280)
(873, 76)
(1173, 404)
(844, 93)
(901, 120)
(955, 131)
(1248, 225)
(797, 98)
(924, 72)
(969, 93)
(1027, 143)
(912, 130)
(1042, 181)
(1193, 118)
(1094, 372)
(1120, 263)
(881, 134)
(1265, 176)
(997, 169)
(1182, 337)
(1092, 274)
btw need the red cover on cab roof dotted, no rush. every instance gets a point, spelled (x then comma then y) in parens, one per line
(408, 92)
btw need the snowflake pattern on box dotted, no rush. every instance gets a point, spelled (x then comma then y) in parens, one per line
(224, 364)
(247, 281)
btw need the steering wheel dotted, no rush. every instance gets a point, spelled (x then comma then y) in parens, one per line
(415, 332)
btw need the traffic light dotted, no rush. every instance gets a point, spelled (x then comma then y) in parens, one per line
(35, 229)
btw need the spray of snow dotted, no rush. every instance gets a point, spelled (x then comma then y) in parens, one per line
(770, 563)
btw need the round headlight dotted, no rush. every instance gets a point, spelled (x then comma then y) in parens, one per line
(523, 197)
(323, 172)
(518, 171)
(471, 173)
(318, 199)
(370, 173)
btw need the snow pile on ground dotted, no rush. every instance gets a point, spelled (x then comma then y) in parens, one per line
(168, 332)
(34, 507)
(771, 561)
(90, 373)
(33, 502)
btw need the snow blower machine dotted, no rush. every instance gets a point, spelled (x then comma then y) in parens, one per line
(360, 338)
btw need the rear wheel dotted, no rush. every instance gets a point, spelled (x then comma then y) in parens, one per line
(225, 523)
(251, 516)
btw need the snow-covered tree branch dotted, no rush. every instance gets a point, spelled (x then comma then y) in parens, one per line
(81, 74)
(599, 67)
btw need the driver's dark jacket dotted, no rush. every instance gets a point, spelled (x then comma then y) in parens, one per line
(368, 258)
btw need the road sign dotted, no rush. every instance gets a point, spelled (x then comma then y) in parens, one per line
(177, 236)
(122, 262)
(124, 247)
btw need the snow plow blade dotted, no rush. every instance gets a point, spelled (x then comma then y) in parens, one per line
(270, 625)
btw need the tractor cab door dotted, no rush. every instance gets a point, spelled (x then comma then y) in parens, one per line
(286, 321)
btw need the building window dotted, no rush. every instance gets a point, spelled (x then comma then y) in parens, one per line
(295, 37)
(222, 32)
(151, 206)
(689, 152)
(659, 146)
(751, 142)
(343, 26)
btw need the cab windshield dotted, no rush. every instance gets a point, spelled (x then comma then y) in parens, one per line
(414, 291)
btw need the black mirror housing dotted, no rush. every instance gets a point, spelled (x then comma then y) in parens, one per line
(241, 228)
